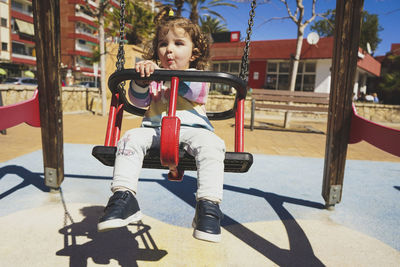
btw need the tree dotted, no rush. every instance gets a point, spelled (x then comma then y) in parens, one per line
(389, 82)
(197, 6)
(370, 28)
(139, 25)
(298, 18)
(212, 25)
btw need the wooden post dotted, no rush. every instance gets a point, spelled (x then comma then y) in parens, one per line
(46, 17)
(344, 65)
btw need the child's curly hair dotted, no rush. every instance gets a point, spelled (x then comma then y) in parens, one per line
(166, 21)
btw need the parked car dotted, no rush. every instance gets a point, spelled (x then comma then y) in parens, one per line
(88, 84)
(21, 81)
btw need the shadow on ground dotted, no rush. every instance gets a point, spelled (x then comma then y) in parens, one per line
(119, 245)
(300, 252)
(28, 178)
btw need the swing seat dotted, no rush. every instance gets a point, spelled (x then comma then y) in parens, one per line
(234, 161)
(237, 161)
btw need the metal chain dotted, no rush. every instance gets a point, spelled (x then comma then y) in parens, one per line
(121, 53)
(245, 59)
(67, 215)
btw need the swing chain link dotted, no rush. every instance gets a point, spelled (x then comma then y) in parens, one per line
(121, 53)
(245, 59)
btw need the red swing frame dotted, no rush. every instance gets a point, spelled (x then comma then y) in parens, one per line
(114, 124)
(237, 161)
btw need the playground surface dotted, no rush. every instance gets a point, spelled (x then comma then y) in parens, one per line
(274, 214)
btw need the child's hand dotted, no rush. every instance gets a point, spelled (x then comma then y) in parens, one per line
(146, 68)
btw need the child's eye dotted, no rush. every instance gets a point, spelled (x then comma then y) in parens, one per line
(162, 44)
(179, 43)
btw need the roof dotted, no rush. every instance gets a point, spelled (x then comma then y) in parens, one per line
(369, 63)
(283, 49)
(395, 49)
(272, 49)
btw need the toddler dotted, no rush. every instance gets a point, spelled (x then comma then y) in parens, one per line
(178, 45)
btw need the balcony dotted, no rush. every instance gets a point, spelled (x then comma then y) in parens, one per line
(85, 16)
(85, 37)
(22, 16)
(22, 11)
(79, 53)
(83, 47)
(84, 33)
(83, 19)
(23, 59)
(22, 39)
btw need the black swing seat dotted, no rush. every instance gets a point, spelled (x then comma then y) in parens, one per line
(234, 161)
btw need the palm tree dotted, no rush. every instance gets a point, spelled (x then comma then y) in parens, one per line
(197, 6)
(179, 6)
(139, 22)
(212, 25)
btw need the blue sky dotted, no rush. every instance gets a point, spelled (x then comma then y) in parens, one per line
(388, 12)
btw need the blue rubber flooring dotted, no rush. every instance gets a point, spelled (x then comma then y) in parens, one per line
(276, 188)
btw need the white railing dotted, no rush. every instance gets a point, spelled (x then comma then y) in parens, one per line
(24, 56)
(82, 31)
(83, 15)
(84, 48)
(93, 3)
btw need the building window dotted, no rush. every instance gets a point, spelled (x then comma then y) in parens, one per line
(4, 22)
(278, 76)
(305, 80)
(229, 67)
(4, 46)
(16, 4)
(21, 49)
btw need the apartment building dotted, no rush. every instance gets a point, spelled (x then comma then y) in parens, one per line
(5, 54)
(78, 34)
(17, 54)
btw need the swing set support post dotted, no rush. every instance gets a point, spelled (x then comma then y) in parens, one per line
(344, 64)
(46, 18)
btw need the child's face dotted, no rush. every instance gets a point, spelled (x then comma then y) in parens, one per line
(175, 49)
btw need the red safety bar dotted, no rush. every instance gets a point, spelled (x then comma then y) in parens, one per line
(114, 121)
(169, 140)
(170, 128)
(26, 111)
(380, 136)
(239, 126)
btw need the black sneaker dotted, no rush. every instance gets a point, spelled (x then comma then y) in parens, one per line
(122, 209)
(207, 221)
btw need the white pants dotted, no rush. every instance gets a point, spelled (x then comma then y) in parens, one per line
(205, 146)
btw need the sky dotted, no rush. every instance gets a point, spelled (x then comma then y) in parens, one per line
(388, 12)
